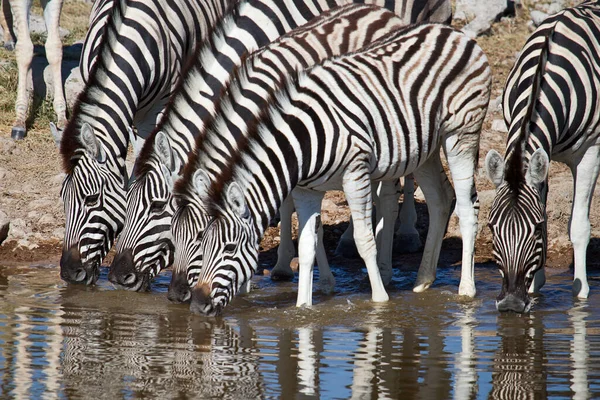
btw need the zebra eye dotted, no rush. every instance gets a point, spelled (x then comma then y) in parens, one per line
(229, 248)
(200, 235)
(92, 199)
(157, 206)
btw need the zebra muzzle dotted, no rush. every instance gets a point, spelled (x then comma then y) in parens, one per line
(72, 269)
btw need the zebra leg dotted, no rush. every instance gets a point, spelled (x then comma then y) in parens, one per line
(7, 26)
(462, 160)
(24, 54)
(308, 207)
(326, 279)
(407, 238)
(357, 188)
(386, 209)
(53, 45)
(346, 247)
(282, 270)
(585, 175)
(438, 196)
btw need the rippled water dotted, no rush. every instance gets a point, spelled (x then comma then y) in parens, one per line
(78, 342)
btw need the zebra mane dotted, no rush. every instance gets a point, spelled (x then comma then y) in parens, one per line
(514, 172)
(70, 145)
(194, 66)
(278, 98)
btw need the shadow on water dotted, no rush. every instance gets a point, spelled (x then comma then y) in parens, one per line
(77, 341)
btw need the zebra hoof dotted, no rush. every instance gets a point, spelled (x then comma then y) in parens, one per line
(347, 249)
(407, 243)
(10, 46)
(18, 133)
(467, 290)
(327, 285)
(421, 287)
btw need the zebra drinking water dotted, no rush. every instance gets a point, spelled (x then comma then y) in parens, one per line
(137, 63)
(145, 245)
(376, 114)
(552, 110)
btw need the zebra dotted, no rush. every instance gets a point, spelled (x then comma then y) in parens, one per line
(101, 9)
(376, 114)
(16, 15)
(551, 108)
(137, 63)
(145, 246)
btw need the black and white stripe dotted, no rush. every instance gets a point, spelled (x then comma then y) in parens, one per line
(145, 245)
(143, 47)
(551, 106)
(101, 9)
(376, 114)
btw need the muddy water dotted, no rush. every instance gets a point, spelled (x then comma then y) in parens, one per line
(76, 342)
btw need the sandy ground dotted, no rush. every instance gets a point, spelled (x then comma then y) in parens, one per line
(31, 177)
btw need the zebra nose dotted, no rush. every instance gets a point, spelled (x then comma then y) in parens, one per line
(511, 303)
(122, 271)
(179, 291)
(201, 300)
(71, 268)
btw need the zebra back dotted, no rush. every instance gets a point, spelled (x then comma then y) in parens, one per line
(146, 233)
(98, 15)
(386, 109)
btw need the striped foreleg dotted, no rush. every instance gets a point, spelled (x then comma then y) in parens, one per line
(462, 161)
(285, 253)
(54, 53)
(308, 207)
(24, 55)
(438, 196)
(357, 188)
(386, 206)
(585, 174)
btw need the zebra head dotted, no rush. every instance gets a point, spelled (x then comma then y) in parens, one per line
(145, 246)
(229, 246)
(518, 222)
(189, 222)
(93, 193)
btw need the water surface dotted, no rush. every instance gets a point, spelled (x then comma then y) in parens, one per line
(64, 341)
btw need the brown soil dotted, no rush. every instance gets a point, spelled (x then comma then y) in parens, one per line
(31, 177)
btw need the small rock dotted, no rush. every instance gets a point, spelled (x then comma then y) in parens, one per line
(47, 219)
(38, 25)
(499, 126)
(27, 244)
(294, 264)
(266, 272)
(495, 104)
(553, 8)
(538, 17)
(73, 86)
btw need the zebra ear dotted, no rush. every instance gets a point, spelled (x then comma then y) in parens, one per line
(494, 166)
(91, 143)
(201, 183)
(162, 146)
(237, 201)
(56, 134)
(538, 168)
